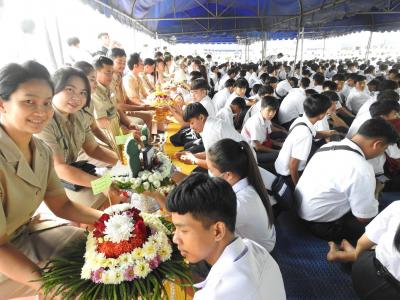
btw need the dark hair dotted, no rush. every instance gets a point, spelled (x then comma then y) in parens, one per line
(61, 77)
(241, 83)
(134, 59)
(208, 200)
(239, 101)
(196, 62)
(379, 128)
(102, 61)
(295, 81)
(194, 110)
(339, 77)
(359, 78)
(255, 88)
(304, 82)
(388, 85)
(242, 73)
(264, 77)
(231, 71)
(382, 108)
(237, 157)
(396, 241)
(230, 82)
(319, 78)
(333, 96)
(195, 75)
(316, 104)
(101, 34)
(199, 84)
(149, 61)
(375, 83)
(332, 86)
(13, 75)
(271, 80)
(158, 54)
(84, 66)
(203, 71)
(73, 41)
(387, 95)
(117, 52)
(270, 101)
(310, 92)
(167, 58)
(265, 89)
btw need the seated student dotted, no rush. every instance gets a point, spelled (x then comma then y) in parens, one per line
(343, 112)
(373, 87)
(204, 214)
(385, 87)
(257, 129)
(318, 81)
(147, 75)
(27, 178)
(239, 90)
(234, 162)
(357, 96)
(264, 90)
(211, 129)
(222, 96)
(292, 106)
(67, 134)
(296, 149)
(335, 194)
(239, 109)
(334, 120)
(349, 84)
(284, 86)
(231, 114)
(375, 271)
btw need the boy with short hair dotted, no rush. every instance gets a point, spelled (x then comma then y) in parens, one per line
(240, 88)
(223, 95)
(296, 149)
(204, 214)
(258, 129)
(357, 96)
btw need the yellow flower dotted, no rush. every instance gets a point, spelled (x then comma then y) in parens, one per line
(149, 250)
(165, 252)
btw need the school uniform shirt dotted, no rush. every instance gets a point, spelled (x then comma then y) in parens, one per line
(283, 88)
(148, 83)
(217, 129)
(221, 84)
(322, 125)
(381, 231)
(356, 99)
(134, 86)
(22, 188)
(358, 121)
(256, 128)
(252, 218)
(226, 114)
(365, 107)
(116, 88)
(104, 103)
(345, 90)
(254, 109)
(336, 182)
(220, 98)
(378, 162)
(209, 106)
(244, 271)
(292, 106)
(297, 145)
(65, 136)
(254, 80)
(230, 99)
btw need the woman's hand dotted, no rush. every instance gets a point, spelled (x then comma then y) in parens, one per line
(115, 195)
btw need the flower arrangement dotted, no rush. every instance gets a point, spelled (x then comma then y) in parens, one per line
(128, 254)
(158, 179)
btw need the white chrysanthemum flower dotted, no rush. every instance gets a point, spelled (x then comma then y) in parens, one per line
(146, 186)
(86, 272)
(114, 276)
(157, 184)
(144, 177)
(151, 178)
(141, 269)
(137, 253)
(118, 228)
(165, 252)
(149, 250)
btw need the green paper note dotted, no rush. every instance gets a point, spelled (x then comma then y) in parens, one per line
(121, 139)
(102, 184)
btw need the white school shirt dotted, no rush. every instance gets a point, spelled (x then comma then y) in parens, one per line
(254, 80)
(244, 271)
(252, 218)
(220, 98)
(209, 106)
(318, 88)
(221, 84)
(297, 145)
(322, 125)
(356, 99)
(381, 231)
(230, 99)
(292, 106)
(336, 182)
(358, 121)
(256, 128)
(217, 129)
(365, 107)
(226, 114)
(255, 108)
(283, 88)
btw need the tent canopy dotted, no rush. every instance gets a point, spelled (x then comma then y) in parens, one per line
(227, 21)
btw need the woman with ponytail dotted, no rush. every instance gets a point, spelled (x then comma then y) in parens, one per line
(235, 163)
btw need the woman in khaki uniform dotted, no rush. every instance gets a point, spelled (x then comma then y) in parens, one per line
(27, 177)
(68, 133)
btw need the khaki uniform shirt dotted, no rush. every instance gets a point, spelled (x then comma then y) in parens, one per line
(104, 102)
(87, 114)
(147, 84)
(65, 136)
(117, 88)
(23, 188)
(134, 87)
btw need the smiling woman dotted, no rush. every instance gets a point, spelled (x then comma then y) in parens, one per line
(27, 178)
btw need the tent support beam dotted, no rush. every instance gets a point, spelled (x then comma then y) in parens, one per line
(205, 8)
(368, 45)
(211, 18)
(300, 20)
